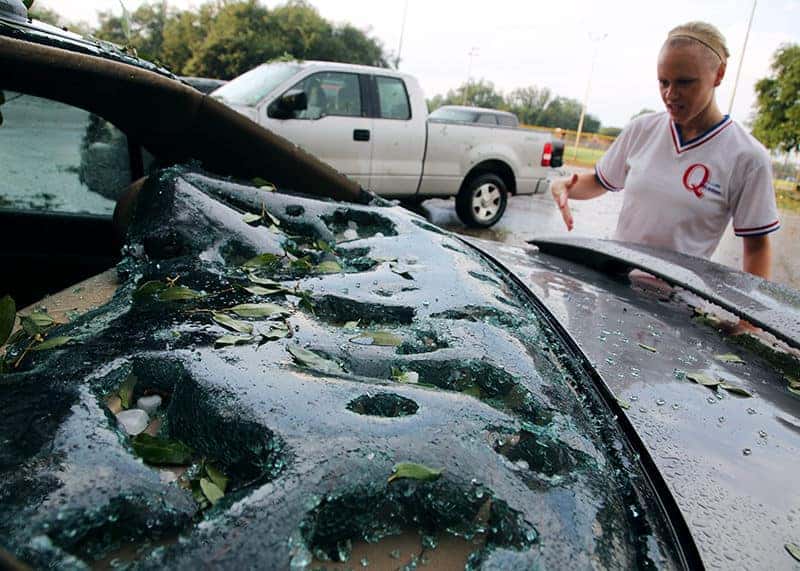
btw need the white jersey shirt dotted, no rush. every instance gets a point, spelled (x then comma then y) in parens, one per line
(681, 194)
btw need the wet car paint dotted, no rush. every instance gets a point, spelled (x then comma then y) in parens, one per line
(500, 406)
(730, 462)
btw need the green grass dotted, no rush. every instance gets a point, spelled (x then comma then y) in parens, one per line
(787, 195)
(584, 157)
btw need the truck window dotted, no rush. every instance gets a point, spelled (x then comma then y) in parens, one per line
(58, 158)
(487, 119)
(330, 93)
(507, 121)
(393, 98)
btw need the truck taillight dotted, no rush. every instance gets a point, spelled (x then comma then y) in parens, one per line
(547, 154)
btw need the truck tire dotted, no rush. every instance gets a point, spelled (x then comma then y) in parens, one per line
(482, 200)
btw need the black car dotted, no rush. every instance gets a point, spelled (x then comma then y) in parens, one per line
(247, 361)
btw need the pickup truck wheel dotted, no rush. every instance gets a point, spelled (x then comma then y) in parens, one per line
(482, 201)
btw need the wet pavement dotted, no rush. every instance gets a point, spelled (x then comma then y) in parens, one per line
(528, 217)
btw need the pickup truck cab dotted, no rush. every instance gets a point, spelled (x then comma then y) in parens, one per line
(372, 125)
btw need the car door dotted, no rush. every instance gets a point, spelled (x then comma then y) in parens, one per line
(399, 139)
(334, 126)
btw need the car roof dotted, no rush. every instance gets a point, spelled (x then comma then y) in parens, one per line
(351, 67)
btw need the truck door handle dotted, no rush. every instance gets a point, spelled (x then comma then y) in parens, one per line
(361, 135)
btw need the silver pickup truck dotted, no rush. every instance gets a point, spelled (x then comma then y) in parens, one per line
(372, 124)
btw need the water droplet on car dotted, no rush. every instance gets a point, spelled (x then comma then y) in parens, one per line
(751, 411)
(747, 452)
(661, 402)
(762, 433)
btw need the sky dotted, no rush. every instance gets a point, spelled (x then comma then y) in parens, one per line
(570, 46)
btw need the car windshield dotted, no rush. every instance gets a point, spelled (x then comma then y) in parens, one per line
(450, 114)
(251, 87)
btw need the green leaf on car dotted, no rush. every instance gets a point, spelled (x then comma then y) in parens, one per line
(263, 260)
(328, 267)
(260, 310)
(378, 338)
(410, 377)
(36, 323)
(263, 281)
(178, 293)
(249, 218)
(217, 477)
(230, 340)
(648, 348)
(624, 403)
(211, 491)
(52, 343)
(8, 315)
(324, 246)
(231, 323)
(735, 389)
(125, 391)
(703, 379)
(412, 471)
(729, 358)
(161, 451)
(306, 358)
(149, 289)
(793, 549)
(261, 290)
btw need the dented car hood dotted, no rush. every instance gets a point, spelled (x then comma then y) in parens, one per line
(326, 374)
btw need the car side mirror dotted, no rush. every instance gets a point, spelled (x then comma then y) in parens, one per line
(285, 106)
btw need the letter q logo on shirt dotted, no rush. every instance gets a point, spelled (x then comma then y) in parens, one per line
(695, 178)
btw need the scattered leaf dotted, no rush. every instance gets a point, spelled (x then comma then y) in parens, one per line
(410, 377)
(412, 471)
(735, 389)
(178, 293)
(794, 550)
(648, 348)
(306, 358)
(274, 334)
(52, 343)
(328, 267)
(260, 310)
(795, 391)
(211, 491)
(301, 264)
(161, 451)
(29, 326)
(41, 319)
(148, 289)
(624, 403)
(216, 476)
(703, 379)
(351, 325)
(125, 391)
(729, 358)
(229, 340)
(260, 290)
(249, 218)
(378, 338)
(231, 323)
(263, 281)
(272, 219)
(8, 315)
(263, 260)
(324, 246)
(405, 274)
(261, 183)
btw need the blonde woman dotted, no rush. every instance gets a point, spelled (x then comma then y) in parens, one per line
(686, 171)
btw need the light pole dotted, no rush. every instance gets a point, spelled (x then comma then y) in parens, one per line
(402, 31)
(596, 41)
(473, 51)
(741, 59)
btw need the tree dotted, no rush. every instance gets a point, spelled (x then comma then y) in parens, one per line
(566, 113)
(528, 103)
(479, 93)
(777, 111)
(225, 38)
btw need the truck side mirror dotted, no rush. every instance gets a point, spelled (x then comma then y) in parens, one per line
(285, 106)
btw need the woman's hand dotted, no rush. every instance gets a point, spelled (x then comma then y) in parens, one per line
(560, 190)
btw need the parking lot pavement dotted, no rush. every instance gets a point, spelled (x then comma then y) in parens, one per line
(530, 216)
